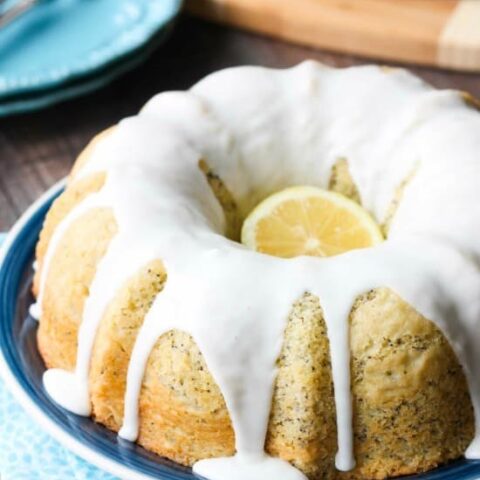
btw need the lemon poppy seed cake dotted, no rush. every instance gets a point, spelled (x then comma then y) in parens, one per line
(339, 341)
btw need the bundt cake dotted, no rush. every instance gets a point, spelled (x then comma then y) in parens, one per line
(159, 324)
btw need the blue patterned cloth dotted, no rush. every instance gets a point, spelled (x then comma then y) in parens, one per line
(28, 453)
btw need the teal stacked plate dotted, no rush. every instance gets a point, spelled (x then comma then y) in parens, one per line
(64, 48)
(22, 368)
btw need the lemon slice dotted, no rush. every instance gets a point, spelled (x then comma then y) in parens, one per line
(307, 220)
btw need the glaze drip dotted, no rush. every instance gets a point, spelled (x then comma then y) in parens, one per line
(263, 130)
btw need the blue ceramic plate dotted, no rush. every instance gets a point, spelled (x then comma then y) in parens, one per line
(44, 98)
(61, 40)
(22, 368)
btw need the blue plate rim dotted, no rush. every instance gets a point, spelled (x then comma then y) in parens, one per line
(63, 93)
(15, 387)
(463, 470)
(112, 52)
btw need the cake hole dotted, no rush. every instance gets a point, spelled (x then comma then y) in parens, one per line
(226, 201)
(341, 181)
(395, 203)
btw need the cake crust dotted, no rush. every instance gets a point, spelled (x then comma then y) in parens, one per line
(412, 409)
(403, 369)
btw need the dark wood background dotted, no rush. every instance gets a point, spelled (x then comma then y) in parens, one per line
(38, 149)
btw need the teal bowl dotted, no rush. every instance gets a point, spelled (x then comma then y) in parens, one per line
(61, 41)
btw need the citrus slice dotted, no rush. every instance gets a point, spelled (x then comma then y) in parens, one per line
(307, 220)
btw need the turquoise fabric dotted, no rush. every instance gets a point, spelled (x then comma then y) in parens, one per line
(28, 453)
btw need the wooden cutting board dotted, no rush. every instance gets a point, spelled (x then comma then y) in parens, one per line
(442, 33)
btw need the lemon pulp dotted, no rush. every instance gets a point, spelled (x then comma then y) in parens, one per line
(307, 220)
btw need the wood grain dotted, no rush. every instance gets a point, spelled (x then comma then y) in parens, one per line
(432, 32)
(459, 42)
(38, 149)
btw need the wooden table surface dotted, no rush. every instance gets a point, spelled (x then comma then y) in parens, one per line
(38, 149)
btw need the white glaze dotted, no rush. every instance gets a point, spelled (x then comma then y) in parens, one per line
(263, 130)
